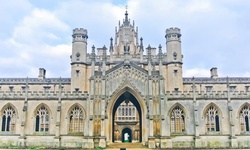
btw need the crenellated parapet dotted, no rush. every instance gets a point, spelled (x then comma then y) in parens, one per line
(173, 34)
(79, 34)
(213, 95)
(8, 81)
(41, 95)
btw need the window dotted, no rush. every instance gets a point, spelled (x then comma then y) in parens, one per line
(209, 89)
(247, 88)
(212, 119)
(76, 120)
(232, 88)
(244, 118)
(177, 120)
(11, 88)
(24, 88)
(175, 55)
(77, 73)
(42, 120)
(46, 89)
(9, 120)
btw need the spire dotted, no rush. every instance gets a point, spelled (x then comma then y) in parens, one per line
(126, 22)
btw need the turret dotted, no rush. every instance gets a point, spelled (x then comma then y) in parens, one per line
(174, 59)
(79, 59)
(79, 45)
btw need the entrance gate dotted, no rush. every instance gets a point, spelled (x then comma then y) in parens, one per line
(127, 118)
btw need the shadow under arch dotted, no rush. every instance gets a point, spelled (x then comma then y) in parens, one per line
(124, 96)
(116, 100)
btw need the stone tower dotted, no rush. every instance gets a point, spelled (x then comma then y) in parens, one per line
(174, 60)
(126, 38)
(79, 59)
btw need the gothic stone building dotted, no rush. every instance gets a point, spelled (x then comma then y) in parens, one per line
(125, 88)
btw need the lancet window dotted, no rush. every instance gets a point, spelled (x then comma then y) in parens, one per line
(9, 120)
(76, 120)
(42, 120)
(244, 119)
(212, 119)
(177, 120)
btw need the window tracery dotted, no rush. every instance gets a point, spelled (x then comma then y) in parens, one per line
(9, 120)
(76, 120)
(244, 119)
(42, 120)
(212, 119)
(177, 120)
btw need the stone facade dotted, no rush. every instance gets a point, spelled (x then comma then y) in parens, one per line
(125, 88)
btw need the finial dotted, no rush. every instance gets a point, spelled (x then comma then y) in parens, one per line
(93, 53)
(141, 44)
(111, 45)
(149, 53)
(126, 22)
(160, 52)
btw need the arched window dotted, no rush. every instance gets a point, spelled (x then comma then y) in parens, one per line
(244, 118)
(76, 120)
(177, 120)
(212, 119)
(9, 120)
(42, 120)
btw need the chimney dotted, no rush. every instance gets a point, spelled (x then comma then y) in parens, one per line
(42, 73)
(213, 72)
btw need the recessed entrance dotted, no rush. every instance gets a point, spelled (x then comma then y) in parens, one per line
(127, 135)
(126, 118)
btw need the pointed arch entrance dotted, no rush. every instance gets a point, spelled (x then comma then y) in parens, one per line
(127, 119)
(126, 96)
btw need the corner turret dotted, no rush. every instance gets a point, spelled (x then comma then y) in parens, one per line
(174, 59)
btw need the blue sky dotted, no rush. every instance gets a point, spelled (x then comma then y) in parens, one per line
(37, 33)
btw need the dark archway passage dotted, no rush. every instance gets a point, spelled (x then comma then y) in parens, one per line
(129, 132)
(127, 97)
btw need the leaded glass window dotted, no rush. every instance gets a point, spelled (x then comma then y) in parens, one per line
(177, 120)
(244, 118)
(42, 120)
(212, 119)
(76, 120)
(9, 120)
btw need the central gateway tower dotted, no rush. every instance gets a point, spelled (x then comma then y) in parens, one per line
(126, 84)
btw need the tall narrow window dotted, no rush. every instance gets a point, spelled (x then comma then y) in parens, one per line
(42, 120)
(177, 120)
(244, 118)
(212, 119)
(76, 120)
(9, 120)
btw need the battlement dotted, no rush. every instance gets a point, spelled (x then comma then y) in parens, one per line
(173, 31)
(41, 95)
(213, 95)
(80, 31)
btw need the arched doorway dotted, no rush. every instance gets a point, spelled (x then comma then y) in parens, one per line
(129, 133)
(127, 118)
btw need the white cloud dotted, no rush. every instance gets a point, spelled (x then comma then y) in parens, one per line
(196, 72)
(214, 33)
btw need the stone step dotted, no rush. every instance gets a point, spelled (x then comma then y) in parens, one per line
(127, 146)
